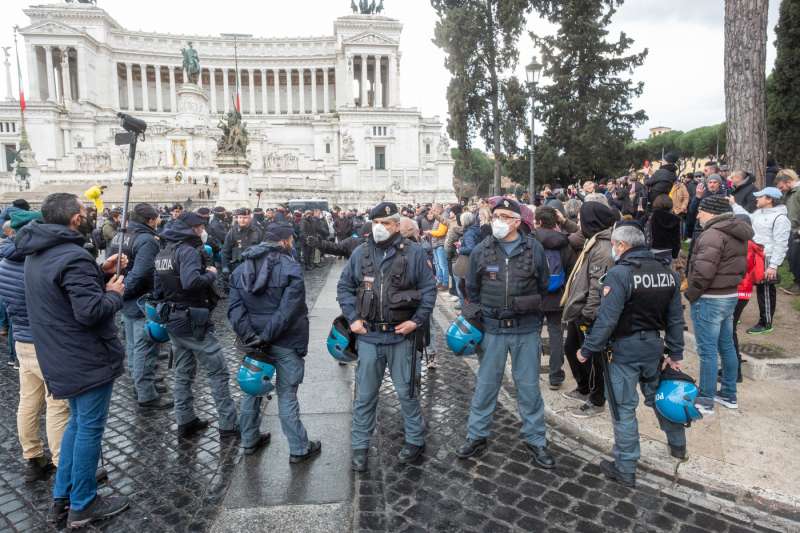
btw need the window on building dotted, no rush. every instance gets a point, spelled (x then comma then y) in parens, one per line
(427, 149)
(380, 158)
(10, 153)
(327, 148)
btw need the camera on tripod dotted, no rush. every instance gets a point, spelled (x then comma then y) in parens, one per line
(133, 127)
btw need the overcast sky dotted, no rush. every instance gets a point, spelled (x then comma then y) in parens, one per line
(683, 73)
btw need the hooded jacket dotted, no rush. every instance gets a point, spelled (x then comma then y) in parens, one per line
(665, 232)
(12, 290)
(744, 194)
(660, 182)
(471, 238)
(71, 314)
(772, 229)
(268, 298)
(556, 240)
(719, 258)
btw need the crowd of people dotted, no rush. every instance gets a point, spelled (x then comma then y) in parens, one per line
(602, 264)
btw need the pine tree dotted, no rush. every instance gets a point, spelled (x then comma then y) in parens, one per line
(587, 111)
(783, 89)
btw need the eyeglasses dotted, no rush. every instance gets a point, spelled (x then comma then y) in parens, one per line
(505, 218)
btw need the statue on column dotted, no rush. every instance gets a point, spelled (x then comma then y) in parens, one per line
(191, 63)
(365, 7)
(234, 135)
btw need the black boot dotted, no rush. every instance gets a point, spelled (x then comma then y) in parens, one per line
(541, 456)
(262, 441)
(229, 434)
(58, 513)
(102, 507)
(471, 447)
(678, 452)
(38, 469)
(410, 453)
(190, 428)
(611, 472)
(359, 461)
(156, 404)
(314, 449)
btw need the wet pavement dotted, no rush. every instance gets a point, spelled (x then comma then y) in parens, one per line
(172, 485)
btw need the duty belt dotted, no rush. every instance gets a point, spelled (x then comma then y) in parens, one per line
(383, 327)
(502, 323)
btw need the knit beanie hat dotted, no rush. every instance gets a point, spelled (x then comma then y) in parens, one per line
(715, 205)
(20, 218)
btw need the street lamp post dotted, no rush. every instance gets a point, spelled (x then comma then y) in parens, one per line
(532, 72)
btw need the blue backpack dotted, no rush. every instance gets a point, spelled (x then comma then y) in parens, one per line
(558, 278)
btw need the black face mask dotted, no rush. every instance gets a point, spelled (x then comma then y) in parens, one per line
(85, 228)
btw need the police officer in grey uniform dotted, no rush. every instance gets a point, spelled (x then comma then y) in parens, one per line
(507, 277)
(241, 236)
(185, 285)
(386, 292)
(641, 298)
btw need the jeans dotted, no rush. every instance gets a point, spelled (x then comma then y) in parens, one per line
(33, 396)
(556, 336)
(12, 351)
(372, 362)
(713, 331)
(440, 260)
(624, 377)
(80, 447)
(187, 352)
(142, 358)
(525, 359)
(289, 370)
(767, 296)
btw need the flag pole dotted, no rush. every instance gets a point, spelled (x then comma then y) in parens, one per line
(238, 103)
(23, 143)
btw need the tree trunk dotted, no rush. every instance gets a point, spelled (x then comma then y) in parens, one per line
(745, 85)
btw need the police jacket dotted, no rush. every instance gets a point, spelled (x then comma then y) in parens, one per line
(268, 298)
(343, 248)
(508, 288)
(70, 313)
(237, 241)
(181, 277)
(141, 246)
(218, 229)
(387, 284)
(641, 296)
(12, 290)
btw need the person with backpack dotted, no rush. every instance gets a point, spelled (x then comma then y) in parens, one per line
(110, 227)
(772, 230)
(560, 260)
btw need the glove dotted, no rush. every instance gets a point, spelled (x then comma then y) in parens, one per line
(254, 342)
(588, 354)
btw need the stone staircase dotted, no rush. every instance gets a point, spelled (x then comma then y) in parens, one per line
(154, 193)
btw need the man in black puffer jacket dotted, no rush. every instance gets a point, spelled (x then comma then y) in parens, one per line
(71, 310)
(744, 185)
(662, 180)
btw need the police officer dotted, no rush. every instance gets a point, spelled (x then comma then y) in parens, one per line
(641, 298)
(386, 292)
(140, 244)
(185, 284)
(241, 236)
(210, 239)
(267, 310)
(218, 226)
(259, 219)
(507, 277)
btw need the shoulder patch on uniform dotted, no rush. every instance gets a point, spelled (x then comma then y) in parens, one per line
(606, 290)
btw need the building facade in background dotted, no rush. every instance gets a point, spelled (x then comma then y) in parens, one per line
(324, 113)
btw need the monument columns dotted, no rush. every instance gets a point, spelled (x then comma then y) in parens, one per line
(212, 83)
(394, 101)
(289, 103)
(263, 91)
(378, 83)
(115, 77)
(301, 74)
(51, 80)
(238, 75)
(172, 95)
(66, 81)
(145, 91)
(251, 82)
(363, 99)
(33, 73)
(226, 91)
(159, 96)
(129, 80)
(200, 78)
(276, 85)
(326, 103)
(313, 91)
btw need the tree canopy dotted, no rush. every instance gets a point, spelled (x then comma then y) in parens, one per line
(783, 88)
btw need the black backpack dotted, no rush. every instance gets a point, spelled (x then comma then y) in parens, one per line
(98, 239)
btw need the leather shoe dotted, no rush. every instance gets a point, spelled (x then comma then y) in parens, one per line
(471, 447)
(58, 513)
(541, 456)
(611, 472)
(190, 428)
(314, 449)
(359, 461)
(156, 404)
(262, 441)
(678, 452)
(410, 453)
(225, 434)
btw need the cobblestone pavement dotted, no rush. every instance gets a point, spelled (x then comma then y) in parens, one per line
(502, 490)
(172, 486)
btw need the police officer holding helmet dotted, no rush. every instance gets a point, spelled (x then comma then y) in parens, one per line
(185, 286)
(140, 244)
(241, 236)
(641, 298)
(507, 277)
(386, 292)
(267, 309)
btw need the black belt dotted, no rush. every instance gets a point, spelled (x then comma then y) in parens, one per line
(383, 327)
(502, 323)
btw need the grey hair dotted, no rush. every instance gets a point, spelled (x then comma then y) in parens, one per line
(6, 225)
(740, 173)
(572, 208)
(467, 219)
(411, 222)
(628, 234)
(597, 197)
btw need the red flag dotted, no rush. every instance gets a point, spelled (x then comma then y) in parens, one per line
(19, 80)
(22, 100)
(238, 103)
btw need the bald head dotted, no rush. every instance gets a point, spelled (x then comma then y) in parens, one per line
(409, 228)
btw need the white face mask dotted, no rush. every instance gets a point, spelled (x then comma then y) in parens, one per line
(500, 229)
(380, 233)
(614, 254)
(204, 236)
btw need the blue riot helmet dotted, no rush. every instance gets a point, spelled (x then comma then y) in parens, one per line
(255, 377)
(208, 250)
(675, 397)
(156, 332)
(342, 342)
(463, 337)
